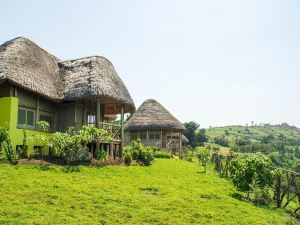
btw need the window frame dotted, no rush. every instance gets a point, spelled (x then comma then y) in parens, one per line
(154, 136)
(26, 126)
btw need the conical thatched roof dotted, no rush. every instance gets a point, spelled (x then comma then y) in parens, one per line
(25, 64)
(93, 76)
(151, 115)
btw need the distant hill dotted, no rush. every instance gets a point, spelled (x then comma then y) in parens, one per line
(256, 133)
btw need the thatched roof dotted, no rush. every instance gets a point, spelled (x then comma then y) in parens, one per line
(94, 76)
(151, 115)
(25, 64)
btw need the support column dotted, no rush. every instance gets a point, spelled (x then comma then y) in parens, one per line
(111, 146)
(37, 110)
(122, 132)
(180, 143)
(161, 139)
(98, 119)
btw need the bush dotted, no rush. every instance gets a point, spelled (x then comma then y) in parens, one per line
(216, 148)
(70, 145)
(12, 155)
(204, 156)
(261, 196)
(143, 155)
(164, 155)
(249, 170)
(127, 159)
(101, 155)
(76, 155)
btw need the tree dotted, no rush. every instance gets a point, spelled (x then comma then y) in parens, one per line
(191, 128)
(252, 170)
(200, 137)
(281, 143)
(203, 156)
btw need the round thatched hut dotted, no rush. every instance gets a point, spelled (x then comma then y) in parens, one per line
(155, 126)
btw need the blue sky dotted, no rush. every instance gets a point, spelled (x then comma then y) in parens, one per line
(214, 62)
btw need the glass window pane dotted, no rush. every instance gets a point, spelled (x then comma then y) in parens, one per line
(30, 118)
(21, 116)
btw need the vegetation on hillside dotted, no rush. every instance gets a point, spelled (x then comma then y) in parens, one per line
(281, 143)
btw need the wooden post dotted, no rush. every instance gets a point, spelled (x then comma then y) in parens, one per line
(122, 132)
(98, 119)
(111, 147)
(161, 138)
(180, 143)
(37, 110)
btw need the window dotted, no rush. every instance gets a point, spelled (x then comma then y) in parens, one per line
(91, 118)
(26, 118)
(154, 136)
(48, 118)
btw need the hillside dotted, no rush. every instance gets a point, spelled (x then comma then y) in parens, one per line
(170, 191)
(255, 133)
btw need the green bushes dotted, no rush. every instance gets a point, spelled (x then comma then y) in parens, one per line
(127, 159)
(101, 155)
(255, 169)
(71, 145)
(164, 155)
(143, 155)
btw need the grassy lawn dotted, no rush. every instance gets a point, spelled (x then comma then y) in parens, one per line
(168, 192)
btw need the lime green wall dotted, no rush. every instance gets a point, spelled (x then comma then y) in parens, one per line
(9, 118)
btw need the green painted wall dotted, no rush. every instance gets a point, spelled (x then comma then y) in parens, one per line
(9, 118)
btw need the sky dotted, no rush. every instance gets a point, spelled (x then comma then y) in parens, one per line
(215, 62)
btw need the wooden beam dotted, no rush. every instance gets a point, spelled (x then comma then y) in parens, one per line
(161, 138)
(122, 131)
(37, 110)
(98, 120)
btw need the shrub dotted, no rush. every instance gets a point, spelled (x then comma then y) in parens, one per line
(143, 155)
(101, 155)
(249, 170)
(71, 144)
(127, 159)
(261, 196)
(203, 155)
(76, 155)
(12, 155)
(216, 148)
(164, 155)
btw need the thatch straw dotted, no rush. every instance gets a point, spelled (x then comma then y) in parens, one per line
(94, 76)
(25, 64)
(153, 116)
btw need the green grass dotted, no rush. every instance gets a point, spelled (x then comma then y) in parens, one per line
(168, 192)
